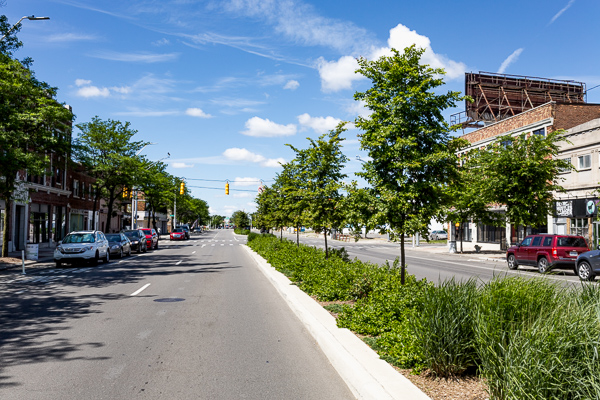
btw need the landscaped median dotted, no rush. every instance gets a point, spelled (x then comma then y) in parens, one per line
(525, 338)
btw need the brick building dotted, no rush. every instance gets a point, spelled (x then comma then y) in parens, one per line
(539, 120)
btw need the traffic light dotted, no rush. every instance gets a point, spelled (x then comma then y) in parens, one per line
(227, 188)
(182, 188)
(125, 193)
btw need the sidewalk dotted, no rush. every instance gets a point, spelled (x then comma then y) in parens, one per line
(14, 259)
(434, 248)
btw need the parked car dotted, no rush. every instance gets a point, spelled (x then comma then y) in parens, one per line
(82, 246)
(547, 251)
(137, 239)
(151, 238)
(178, 234)
(587, 265)
(186, 229)
(119, 244)
(438, 235)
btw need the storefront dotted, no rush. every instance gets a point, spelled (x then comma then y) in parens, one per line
(578, 217)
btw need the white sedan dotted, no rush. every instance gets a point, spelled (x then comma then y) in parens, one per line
(438, 235)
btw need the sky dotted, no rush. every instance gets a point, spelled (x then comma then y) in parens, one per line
(223, 86)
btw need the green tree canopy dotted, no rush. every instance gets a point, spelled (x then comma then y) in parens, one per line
(407, 140)
(33, 124)
(110, 156)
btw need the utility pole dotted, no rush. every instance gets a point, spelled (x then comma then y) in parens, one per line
(174, 212)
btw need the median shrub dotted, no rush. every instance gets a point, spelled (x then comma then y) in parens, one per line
(241, 231)
(528, 338)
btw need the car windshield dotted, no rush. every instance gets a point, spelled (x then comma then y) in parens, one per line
(113, 238)
(131, 234)
(79, 238)
(570, 242)
(146, 231)
(178, 230)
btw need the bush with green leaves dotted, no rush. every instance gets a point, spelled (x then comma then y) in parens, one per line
(241, 231)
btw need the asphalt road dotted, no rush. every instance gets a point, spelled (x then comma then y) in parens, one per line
(193, 320)
(432, 261)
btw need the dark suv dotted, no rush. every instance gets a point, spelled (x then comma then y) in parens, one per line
(547, 251)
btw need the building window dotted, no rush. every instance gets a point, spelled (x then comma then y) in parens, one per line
(91, 192)
(579, 226)
(585, 162)
(541, 131)
(75, 188)
(490, 234)
(566, 169)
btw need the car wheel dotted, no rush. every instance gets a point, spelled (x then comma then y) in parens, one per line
(107, 257)
(543, 265)
(584, 271)
(139, 248)
(121, 253)
(96, 259)
(129, 252)
(58, 264)
(156, 247)
(512, 262)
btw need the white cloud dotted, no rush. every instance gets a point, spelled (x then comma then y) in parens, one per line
(292, 85)
(93, 91)
(196, 112)
(339, 75)
(161, 42)
(82, 82)
(69, 37)
(318, 124)
(358, 108)
(237, 154)
(259, 127)
(246, 182)
(245, 194)
(509, 60)
(181, 165)
(147, 113)
(558, 14)
(143, 57)
(122, 89)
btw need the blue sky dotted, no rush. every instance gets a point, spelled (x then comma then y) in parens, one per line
(223, 85)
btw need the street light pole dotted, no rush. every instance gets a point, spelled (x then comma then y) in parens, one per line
(31, 18)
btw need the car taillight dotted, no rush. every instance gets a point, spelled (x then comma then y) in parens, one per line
(554, 252)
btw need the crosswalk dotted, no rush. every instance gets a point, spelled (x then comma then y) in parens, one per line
(46, 276)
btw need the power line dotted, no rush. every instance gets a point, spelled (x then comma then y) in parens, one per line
(226, 180)
(214, 188)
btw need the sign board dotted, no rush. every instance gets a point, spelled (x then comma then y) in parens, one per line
(32, 251)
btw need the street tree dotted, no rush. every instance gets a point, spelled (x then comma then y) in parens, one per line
(157, 186)
(33, 124)
(521, 173)
(270, 208)
(407, 140)
(217, 220)
(110, 156)
(320, 176)
(293, 198)
(240, 219)
(360, 205)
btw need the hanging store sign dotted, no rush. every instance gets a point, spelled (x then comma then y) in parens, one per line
(563, 208)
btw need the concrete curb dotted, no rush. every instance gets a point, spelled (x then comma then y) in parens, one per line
(367, 376)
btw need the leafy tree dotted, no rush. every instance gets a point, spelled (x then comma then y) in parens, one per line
(521, 172)
(360, 206)
(407, 139)
(294, 198)
(270, 208)
(32, 125)
(217, 220)
(157, 185)
(106, 150)
(320, 178)
(240, 219)
(464, 200)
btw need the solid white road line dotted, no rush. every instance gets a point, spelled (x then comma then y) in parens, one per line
(179, 262)
(194, 252)
(140, 290)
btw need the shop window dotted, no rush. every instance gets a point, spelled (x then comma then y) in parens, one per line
(490, 234)
(579, 226)
(585, 162)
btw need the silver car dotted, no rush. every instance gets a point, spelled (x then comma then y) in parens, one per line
(438, 235)
(90, 246)
(119, 244)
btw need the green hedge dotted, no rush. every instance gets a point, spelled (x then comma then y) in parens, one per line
(241, 231)
(528, 338)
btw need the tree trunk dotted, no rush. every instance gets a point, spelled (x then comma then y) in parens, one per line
(95, 208)
(402, 261)
(281, 235)
(297, 236)
(326, 249)
(460, 229)
(5, 227)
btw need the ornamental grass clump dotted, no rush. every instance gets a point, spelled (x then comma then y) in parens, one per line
(444, 327)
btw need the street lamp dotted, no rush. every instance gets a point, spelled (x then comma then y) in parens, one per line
(31, 18)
